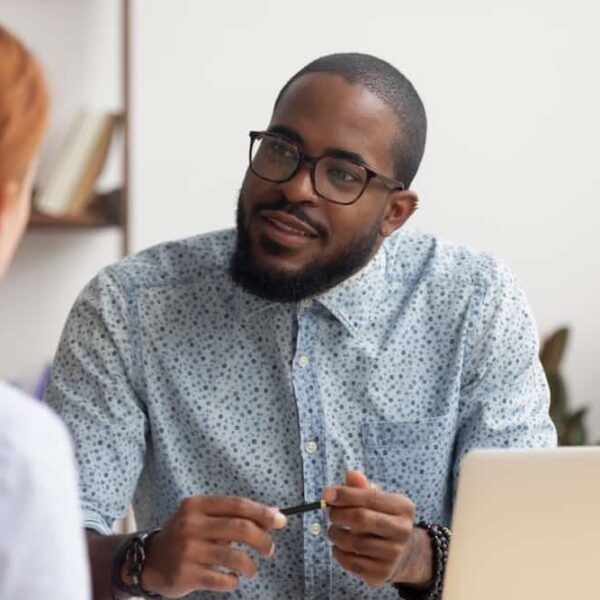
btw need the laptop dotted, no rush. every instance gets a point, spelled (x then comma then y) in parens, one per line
(526, 526)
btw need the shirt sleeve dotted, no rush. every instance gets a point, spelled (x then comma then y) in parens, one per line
(42, 547)
(93, 388)
(504, 396)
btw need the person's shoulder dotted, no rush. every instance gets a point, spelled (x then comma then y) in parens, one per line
(175, 263)
(16, 408)
(38, 479)
(29, 431)
(424, 257)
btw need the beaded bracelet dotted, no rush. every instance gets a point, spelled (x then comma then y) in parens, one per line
(132, 552)
(440, 541)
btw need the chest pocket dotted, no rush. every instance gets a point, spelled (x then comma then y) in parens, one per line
(413, 458)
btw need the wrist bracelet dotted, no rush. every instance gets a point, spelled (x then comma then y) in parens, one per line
(440, 541)
(132, 553)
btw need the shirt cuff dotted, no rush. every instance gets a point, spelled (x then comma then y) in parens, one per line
(92, 520)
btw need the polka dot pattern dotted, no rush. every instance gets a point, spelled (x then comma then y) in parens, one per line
(174, 382)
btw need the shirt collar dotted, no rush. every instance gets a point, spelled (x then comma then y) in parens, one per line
(246, 304)
(353, 302)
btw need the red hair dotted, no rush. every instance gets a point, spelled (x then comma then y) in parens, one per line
(24, 105)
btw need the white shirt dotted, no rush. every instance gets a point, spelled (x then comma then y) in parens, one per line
(42, 547)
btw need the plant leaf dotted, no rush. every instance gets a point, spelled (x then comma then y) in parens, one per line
(553, 349)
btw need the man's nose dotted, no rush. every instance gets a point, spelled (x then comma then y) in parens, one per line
(299, 188)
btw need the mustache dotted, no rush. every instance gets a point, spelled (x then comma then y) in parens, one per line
(284, 205)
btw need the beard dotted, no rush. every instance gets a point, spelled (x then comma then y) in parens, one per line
(292, 286)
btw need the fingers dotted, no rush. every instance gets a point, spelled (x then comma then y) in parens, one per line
(363, 544)
(187, 574)
(234, 529)
(374, 573)
(371, 530)
(264, 516)
(366, 521)
(371, 497)
(204, 578)
(194, 549)
(226, 519)
(205, 564)
(357, 479)
(226, 557)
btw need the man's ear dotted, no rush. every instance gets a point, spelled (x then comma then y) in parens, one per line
(400, 206)
(9, 194)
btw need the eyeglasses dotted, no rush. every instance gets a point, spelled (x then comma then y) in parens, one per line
(338, 180)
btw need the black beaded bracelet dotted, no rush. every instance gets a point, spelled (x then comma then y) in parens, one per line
(440, 542)
(132, 552)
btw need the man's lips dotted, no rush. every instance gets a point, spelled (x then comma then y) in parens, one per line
(288, 223)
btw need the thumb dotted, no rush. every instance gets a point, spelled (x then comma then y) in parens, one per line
(357, 479)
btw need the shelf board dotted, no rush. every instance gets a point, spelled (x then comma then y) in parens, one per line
(89, 220)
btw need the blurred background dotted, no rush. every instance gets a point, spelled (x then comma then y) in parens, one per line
(511, 165)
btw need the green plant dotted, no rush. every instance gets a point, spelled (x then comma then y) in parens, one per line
(569, 424)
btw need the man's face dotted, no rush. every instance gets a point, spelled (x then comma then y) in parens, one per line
(291, 242)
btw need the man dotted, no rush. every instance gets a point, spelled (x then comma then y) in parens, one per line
(321, 351)
(42, 552)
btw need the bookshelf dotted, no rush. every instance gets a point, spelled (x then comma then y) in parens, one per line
(83, 48)
(89, 219)
(96, 217)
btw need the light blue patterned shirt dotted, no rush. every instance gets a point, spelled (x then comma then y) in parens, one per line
(174, 382)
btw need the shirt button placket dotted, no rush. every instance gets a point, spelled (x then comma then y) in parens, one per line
(315, 528)
(304, 373)
(303, 361)
(310, 447)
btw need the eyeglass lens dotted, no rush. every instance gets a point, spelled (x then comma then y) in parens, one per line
(336, 179)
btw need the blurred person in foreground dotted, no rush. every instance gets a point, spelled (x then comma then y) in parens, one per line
(42, 552)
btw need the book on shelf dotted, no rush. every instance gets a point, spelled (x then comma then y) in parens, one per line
(104, 210)
(70, 184)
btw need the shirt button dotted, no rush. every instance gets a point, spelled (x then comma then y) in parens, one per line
(310, 447)
(303, 361)
(306, 303)
(315, 528)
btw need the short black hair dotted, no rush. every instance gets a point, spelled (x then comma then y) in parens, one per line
(393, 88)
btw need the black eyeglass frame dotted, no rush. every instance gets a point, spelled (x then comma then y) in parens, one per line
(390, 184)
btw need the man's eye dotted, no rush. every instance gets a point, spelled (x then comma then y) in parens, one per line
(342, 175)
(280, 150)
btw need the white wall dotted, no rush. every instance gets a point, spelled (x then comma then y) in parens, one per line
(511, 166)
(79, 44)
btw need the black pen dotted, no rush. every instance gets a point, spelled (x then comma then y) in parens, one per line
(302, 508)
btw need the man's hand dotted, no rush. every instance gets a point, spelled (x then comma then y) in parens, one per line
(374, 536)
(193, 551)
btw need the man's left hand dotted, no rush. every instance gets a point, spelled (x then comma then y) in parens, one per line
(374, 536)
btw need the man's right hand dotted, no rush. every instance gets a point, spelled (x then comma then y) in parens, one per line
(193, 550)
